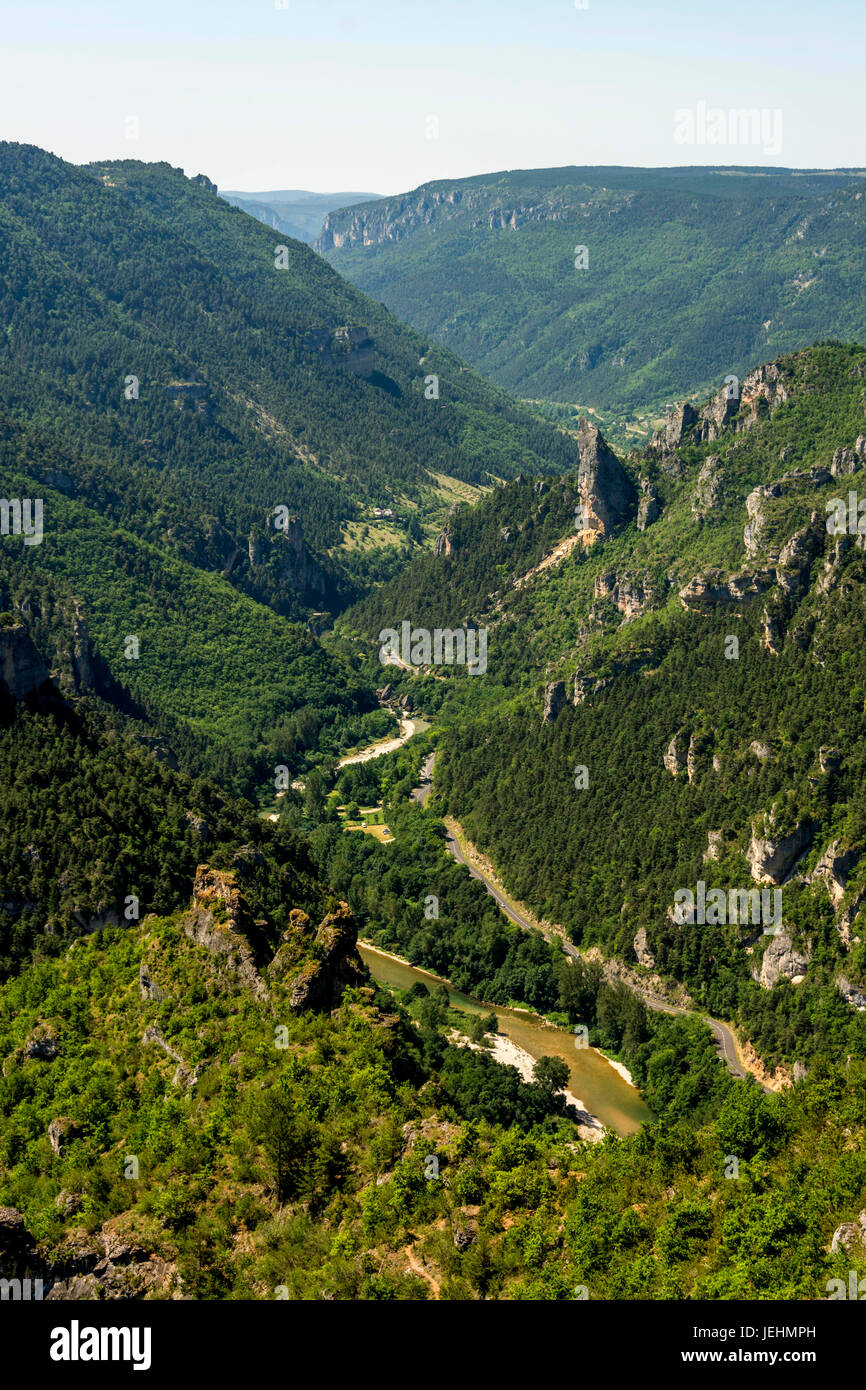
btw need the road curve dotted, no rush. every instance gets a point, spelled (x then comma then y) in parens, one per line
(725, 1042)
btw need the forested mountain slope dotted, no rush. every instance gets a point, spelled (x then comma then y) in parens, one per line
(680, 700)
(614, 288)
(180, 1121)
(202, 374)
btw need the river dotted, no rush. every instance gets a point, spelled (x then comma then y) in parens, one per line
(597, 1084)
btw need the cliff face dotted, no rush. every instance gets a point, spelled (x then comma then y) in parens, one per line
(221, 922)
(735, 406)
(22, 670)
(287, 551)
(335, 967)
(607, 494)
(470, 206)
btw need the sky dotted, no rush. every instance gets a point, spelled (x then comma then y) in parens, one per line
(383, 95)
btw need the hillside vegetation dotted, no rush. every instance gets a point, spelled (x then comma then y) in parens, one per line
(690, 274)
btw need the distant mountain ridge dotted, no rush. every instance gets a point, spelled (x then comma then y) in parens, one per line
(295, 211)
(614, 288)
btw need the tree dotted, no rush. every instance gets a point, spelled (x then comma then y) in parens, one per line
(551, 1073)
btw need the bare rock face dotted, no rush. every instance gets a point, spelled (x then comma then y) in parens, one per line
(642, 950)
(782, 958)
(61, 1131)
(855, 995)
(679, 423)
(850, 1235)
(695, 758)
(319, 985)
(829, 576)
(762, 751)
(607, 494)
(42, 1044)
(798, 553)
(649, 507)
(554, 699)
(706, 590)
(708, 488)
(444, 545)
(146, 987)
(846, 461)
(834, 867)
(295, 566)
(715, 840)
(22, 669)
(629, 593)
(220, 921)
(771, 858)
(714, 416)
(772, 636)
(671, 758)
(82, 663)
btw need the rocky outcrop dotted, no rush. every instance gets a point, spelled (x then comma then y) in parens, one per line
(294, 564)
(146, 987)
(554, 699)
(642, 950)
(444, 545)
(319, 985)
(42, 1045)
(626, 665)
(855, 995)
(762, 751)
(348, 345)
(695, 757)
(715, 843)
(708, 489)
(798, 554)
(677, 426)
(833, 868)
(850, 1236)
(672, 758)
(735, 406)
(22, 670)
(61, 1132)
(772, 857)
(712, 590)
(607, 494)
(847, 461)
(629, 594)
(829, 576)
(783, 959)
(649, 506)
(772, 635)
(184, 1075)
(106, 1264)
(220, 922)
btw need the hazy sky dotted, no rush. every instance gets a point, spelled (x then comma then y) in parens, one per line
(385, 94)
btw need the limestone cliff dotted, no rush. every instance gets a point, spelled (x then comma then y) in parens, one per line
(607, 494)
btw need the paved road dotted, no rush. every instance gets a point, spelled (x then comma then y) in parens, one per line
(420, 793)
(725, 1044)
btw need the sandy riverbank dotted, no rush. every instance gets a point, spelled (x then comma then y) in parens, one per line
(617, 1066)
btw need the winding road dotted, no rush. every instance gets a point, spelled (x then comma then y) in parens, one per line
(726, 1044)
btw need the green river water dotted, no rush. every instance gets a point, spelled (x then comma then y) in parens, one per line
(593, 1080)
